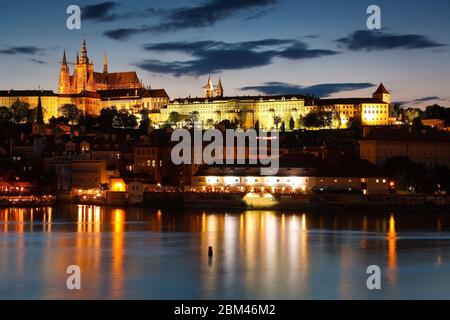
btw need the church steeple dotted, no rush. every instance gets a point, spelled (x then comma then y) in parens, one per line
(209, 89)
(64, 76)
(84, 57)
(40, 113)
(219, 90)
(64, 60)
(105, 64)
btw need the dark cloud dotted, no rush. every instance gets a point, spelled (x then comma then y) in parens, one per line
(427, 99)
(100, 12)
(37, 61)
(106, 11)
(204, 15)
(214, 56)
(319, 90)
(29, 50)
(379, 40)
(123, 33)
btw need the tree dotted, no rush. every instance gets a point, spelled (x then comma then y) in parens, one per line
(408, 115)
(417, 124)
(355, 125)
(291, 124)
(325, 119)
(311, 120)
(123, 119)
(20, 111)
(192, 119)
(106, 118)
(257, 126)
(71, 112)
(276, 121)
(227, 124)
(174, 118)
(6, 115)
(145, 122)
(58, 121)
(336, 120)
(210, 123)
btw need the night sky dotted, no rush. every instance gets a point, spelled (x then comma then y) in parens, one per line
(321, 47)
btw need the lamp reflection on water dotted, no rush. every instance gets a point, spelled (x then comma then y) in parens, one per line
(392, 251)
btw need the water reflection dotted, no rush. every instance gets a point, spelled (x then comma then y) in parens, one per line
(163, 254)
(392, 251)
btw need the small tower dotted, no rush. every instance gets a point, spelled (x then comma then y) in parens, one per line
(84, 57)
(105, 64)
(219, 89)
(209, 89)
(64, 76)
(38, 126)
(382, 94)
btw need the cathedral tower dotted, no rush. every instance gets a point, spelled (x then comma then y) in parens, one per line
(83, 73)
(209, 89)
(64, 77)
(219, 90)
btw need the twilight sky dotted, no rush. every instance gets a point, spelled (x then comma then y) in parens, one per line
(321, 47)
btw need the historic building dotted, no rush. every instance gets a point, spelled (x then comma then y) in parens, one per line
(303, 174)
(271, 111)
(84, 78)
(430, 147)
(90, 91)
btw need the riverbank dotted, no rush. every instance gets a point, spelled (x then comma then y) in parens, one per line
(287, 202)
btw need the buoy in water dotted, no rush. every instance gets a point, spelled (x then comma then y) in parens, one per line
(210, 252)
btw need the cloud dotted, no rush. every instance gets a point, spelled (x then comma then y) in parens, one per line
(214, 56)
(424, 99)
(419, 100)
(28, 50)
(204, 15)
(320, 90)
(378, 40)
(37, 61)
(105, 11)
(99, 12)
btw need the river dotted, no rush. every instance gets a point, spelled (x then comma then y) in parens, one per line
(137, 253)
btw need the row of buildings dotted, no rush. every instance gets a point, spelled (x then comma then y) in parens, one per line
(93, 91)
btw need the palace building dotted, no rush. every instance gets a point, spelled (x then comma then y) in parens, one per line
(271, 111)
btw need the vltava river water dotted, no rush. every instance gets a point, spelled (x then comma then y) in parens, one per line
(157, 254)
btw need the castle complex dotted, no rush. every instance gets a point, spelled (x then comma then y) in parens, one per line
(90, 91)
(93, 91)
(270, 111)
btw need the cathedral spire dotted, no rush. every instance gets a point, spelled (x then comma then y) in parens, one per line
(40, 114)
(219, 90)
(84, 56)
(105, 64)
(64, 60)
(78, 58)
